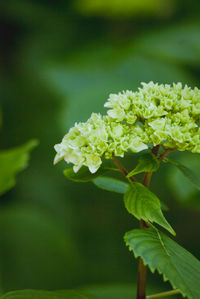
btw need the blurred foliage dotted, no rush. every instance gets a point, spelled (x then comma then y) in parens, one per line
(59, 61)
(36, 294)
(13, 161)
(182, 189)
(127, 8)
(92, 292)
(120, 291)
(89, 76)
(32, 240)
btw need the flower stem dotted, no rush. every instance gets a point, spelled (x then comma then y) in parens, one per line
(141, 282)
(164, 294)
(147, 179)
(122, 168)
(142, 269)
(166, 152)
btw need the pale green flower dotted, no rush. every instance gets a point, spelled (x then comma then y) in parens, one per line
(117, 113)
(169, 114)
(158, 114)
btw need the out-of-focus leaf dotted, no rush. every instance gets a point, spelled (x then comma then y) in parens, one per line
(13, 161)
(110, 184)
(84, 175)
(180, 186)
(164, 207)
(38, 294)
(34, 249)
(112, 291)
(146, 163)
(119, 291)
(24, 11)
(178, 43)
(125, 8)
(171, 260)
(143, 204)
(188, 173)
(86, 79)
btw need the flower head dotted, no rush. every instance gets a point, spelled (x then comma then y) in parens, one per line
(158, 114)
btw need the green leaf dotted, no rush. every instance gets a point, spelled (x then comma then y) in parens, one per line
(181, 188)
(121, 291)
(177, 43)
(110, 184)
(123, 9)
(146, 163)
(13, 161)
(84, 175)
(143, 204)
(163, 254)
(188, 173)
(37, 294)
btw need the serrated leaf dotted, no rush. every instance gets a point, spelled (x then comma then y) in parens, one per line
(163, 254)
(143, 204)
(37, 294)
(84, 175)
(146, 163)
(13, 161)
(110, 184)
(188, 173)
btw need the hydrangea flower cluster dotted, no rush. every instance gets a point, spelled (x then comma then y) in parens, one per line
(155, 114)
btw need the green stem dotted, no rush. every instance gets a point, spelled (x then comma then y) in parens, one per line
(122, 168)
(141, 282)
(142, 269)
(166, 152)
(164, 294)
(147, 179)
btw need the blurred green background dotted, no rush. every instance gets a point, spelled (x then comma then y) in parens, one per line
(59, 62)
